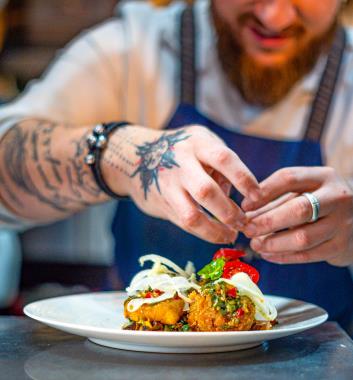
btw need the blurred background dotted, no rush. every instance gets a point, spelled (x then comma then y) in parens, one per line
(70, 256)
(74, 255)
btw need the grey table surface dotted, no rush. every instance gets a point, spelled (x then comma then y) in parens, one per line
(29, 350)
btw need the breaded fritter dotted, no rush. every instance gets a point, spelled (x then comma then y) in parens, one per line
(167, 312)
(203, 316)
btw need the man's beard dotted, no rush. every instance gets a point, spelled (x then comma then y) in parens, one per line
(267, 85)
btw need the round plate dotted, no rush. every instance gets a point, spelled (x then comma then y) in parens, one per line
(99, 317)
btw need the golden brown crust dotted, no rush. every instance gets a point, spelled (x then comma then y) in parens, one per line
(167, 312)
(204, 317)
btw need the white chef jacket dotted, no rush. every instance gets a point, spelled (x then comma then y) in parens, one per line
(127, 69)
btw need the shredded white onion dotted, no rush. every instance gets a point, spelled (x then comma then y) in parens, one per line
(169, 281)
(162, 260)
(245, 286)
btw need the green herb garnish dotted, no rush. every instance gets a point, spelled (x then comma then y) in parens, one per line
(213, 270)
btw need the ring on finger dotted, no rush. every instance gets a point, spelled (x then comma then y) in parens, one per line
(315, 206)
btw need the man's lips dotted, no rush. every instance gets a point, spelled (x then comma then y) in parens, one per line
(267, 39)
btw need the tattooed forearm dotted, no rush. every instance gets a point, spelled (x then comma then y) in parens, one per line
(45, 177)
(155, 157)
(16, 158)
(34, 168)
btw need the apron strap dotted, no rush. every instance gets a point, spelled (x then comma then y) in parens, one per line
(323, 98)
(187, 61)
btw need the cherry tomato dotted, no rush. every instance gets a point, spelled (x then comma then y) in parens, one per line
(228, 254)
(232, 267)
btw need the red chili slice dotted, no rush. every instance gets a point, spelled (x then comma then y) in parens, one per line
(239, 313)
(228, 254)
(236, 266)
(232, 293)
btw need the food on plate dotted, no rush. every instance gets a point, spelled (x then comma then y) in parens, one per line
(223, 297)
(158, 297)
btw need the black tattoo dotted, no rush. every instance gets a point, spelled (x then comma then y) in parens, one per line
(155, 157)
(78, 174)
(23, 145)
(16, 161)
(8, 191)
(116, 150)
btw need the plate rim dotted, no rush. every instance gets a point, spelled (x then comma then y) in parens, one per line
(84, 329)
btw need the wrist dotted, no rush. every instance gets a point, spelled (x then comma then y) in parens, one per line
(101, 166)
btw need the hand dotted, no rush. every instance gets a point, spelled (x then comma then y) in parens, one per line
(184, 176)
(280, 226)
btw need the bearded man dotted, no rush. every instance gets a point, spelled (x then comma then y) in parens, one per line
(250, 95)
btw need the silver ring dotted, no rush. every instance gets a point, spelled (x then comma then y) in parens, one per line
(315, 205)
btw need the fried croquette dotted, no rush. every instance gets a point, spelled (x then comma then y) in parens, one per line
(205, 316)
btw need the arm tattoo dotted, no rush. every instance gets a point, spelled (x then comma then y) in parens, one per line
(116, 150)
(24, 146)
(155, 157)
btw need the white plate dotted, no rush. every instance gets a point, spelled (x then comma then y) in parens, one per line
(99, 317)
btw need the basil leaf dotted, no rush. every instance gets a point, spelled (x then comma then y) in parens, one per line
(213, 270)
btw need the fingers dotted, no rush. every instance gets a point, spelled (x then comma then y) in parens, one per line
(294, 212)
(223, 183)
(297, 239)
(226, 162)
(208, 194)
(188, 216)
(323, 252)
(294, 179)
(270, 206)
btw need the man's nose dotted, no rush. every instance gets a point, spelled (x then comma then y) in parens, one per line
(276, 15)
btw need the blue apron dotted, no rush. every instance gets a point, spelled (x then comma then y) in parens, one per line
(137, 234)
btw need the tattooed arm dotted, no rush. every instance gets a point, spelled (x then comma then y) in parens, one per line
(174, 175)
(42, 173)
